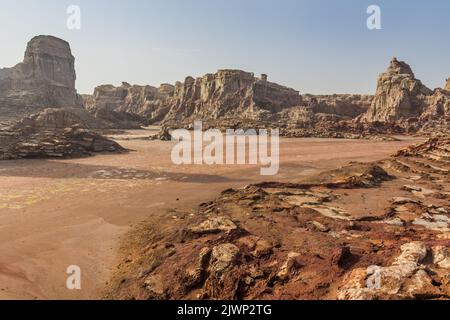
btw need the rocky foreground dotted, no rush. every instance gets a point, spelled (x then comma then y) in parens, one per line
(365, 231)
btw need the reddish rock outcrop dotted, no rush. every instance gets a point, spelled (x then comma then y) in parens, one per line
(357, 232)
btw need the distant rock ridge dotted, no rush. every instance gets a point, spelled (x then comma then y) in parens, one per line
(46, 79)
(401, 104)
(145, 101)
(230, 92)
(225, 93)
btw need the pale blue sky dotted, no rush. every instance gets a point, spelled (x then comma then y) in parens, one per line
(316, 46)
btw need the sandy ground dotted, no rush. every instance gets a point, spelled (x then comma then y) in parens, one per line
(57, 213)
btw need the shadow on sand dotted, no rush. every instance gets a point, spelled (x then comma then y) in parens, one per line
(58, 169)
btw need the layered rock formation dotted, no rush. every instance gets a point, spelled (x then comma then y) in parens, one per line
(238, 99)
(402, 104)
(399, 95)
(45, 78)
(145, 101)
(52, 133)
(213, 96)
(347, 106)
(230, 93)
(447, 85)
(437, 106)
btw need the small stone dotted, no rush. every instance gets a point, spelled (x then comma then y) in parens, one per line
(441, 256)
(194, 276)
(223, 257)
(263, 248)
(155, 284)
(402, 200)
(318, 226)
(289, 267)
(214, 225)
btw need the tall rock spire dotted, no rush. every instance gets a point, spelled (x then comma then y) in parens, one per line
(399, 94)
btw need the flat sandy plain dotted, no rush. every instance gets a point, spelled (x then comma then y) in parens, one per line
(57, 213)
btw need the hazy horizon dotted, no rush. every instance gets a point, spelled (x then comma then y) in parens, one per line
(317, 47)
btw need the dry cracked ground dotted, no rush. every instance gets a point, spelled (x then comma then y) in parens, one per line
(377, 230)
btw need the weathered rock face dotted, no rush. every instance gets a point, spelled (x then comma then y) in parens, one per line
(447, 85)
(50, 59)
(228, 93)
(146, 101)
(343, 105)
(437, 106)
(52, 133)
(213, 96)
(399, 95)
(50, 119)
(45, 78)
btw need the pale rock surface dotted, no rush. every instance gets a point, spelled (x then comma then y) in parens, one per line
(407, 278)
(223, 257)
(447, 85)
(441, 256)
(214, 225)
(230, 93)
(45, 78)
(344, 105)
(399, 95)
(146, 101)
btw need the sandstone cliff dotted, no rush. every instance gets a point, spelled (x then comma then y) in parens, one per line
(45, 78)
